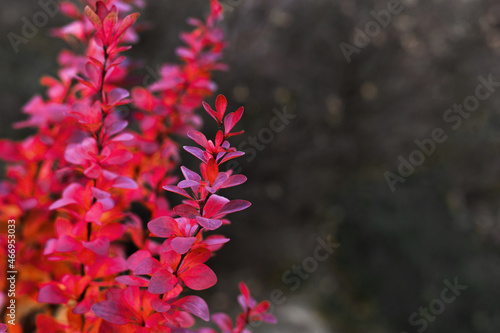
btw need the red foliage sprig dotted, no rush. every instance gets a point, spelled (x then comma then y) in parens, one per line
(74, 186)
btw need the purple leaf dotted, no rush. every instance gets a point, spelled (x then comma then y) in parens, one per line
(185, 210)
(209, 224)
(234, 181)
(52, 294)
(163, 226)
(177, 190)
(159, 305)
(125, 182)
(111, 311)
(233, 206)
(197, 152)
(232, 155)
(194, 305)
(213, 205)
(147, 266)
(136, 258)
(188, 183)
(99, 246)
(190, 175)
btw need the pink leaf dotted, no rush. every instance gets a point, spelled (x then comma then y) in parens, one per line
(125, 183)
(194, 305)
(234, 180)
(223, 321)
(159, 305)
(182, 244)
(52, 294)
(147, 266)
(199, 138)
(209, 224)
(177, 190)
(100, 245)
(94, 214)
(136, 258)
(163, 226)
(116, 95)
(199, 277)
(186, 211)
(132, 280)
(197, 152)
(233, 206)
(161, 282)
(111, 311)
(213, 205)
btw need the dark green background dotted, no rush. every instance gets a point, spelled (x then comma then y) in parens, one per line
(324, 173)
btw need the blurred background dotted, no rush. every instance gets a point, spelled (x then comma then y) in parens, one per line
(322, 176)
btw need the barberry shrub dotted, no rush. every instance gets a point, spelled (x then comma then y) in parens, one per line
(86, 260)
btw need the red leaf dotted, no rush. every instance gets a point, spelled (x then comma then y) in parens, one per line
(136, 258)
(233, 206)
(94, 214)
(125, 182)
(213, 205)
(99, 246)
(159, 305)
(212, 170)
(163, 226)
(209, 224)
(130, 280)
(161, 282)
(220, 106)
(185, 210)
(111, 311)
(147, 266)
(93, 18)
(199, 277)
(143, 99)
(182, 244)
(126, 23)
(199, 138)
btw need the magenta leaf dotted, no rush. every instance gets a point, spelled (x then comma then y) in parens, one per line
(199, 138)
(147, 266)
(177, 190)
(132, 280)
(159, 305)
(125, 183)
(213, 205)
(136, 258)
(163, 226)
(182, 244)
(161, 282)
(209, 224)
(111, 311)
(99, 246)
(190, 175)
(52, 294)
(185, 210)
(234, 180)
(194, 305)
(199, 277)
(197, 152)
(233, 206)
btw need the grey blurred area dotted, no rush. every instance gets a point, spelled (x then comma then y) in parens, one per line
(417, 254)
